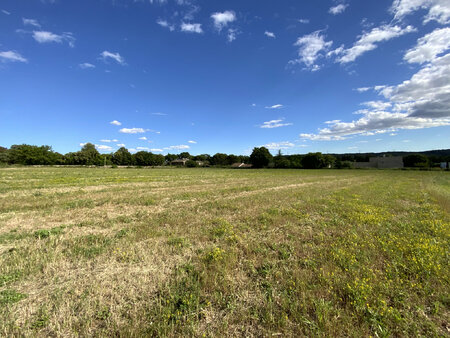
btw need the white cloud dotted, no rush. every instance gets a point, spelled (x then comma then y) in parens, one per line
(103, 147)
(274, 124)
(368, 40)
(429, 46)
(279, 145)
(116, 123)
(164, 23)
(31, 22)
(269, 34)
(231, 36)
(338, 9)
(438, 10)
(106, 141)
(121, 145)
(86, 65)
(178, 147)
(5, 12)
(363, 89)
(11, 56)
(143, 138)
(159, 114)
(427, 93)
(48, 37)
(377, 105)
(105, 55)
(303, 21)
(132, 130)
(423, 101)
(142, 148)
(275, 106)
(191, 27)
(156, 150)
(310, 48)
(193, 142)
(222, 19)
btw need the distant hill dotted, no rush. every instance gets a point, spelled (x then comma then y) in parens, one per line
(434, 155)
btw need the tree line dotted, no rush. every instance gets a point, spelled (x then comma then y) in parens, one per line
(260, 158)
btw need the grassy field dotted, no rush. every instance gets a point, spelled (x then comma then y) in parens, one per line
(215, 252)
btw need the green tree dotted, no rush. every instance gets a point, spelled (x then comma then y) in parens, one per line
(260, 157)
(191, 164)
(122, 157)
(157, 159)
(89, 155)
(143, 158)
(232, 159)
(4, 155)
(170, 157)
(416, 161)
(313, 161)
(219, 159)
(185, 155)
(33, 155)
(280, 161)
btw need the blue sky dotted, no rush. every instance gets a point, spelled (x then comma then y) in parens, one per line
(226, 76)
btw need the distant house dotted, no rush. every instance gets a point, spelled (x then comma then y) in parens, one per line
(239, 165)
(179, 162)
(390, 162)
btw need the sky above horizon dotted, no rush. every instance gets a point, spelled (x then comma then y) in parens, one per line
(225, 76)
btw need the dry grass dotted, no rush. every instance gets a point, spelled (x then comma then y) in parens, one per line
(223, 252)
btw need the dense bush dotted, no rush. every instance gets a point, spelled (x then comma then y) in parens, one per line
(416, 161)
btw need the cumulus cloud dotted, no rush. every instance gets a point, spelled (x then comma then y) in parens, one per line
(310, 48)
(222, 19)
(193, 142)
(438, 10)
(338, 9)
(121, 145)
(423, 101)
(105, 56)
(192, 27)
(31, 22)
(275, 106)
(103, 147)
(142, 148)
(49, 37)
(279, 145)
(143, 138)
(368, 41)
(274, 124)
(86, 65)
(377, 105)
(164, 23)
(133, 130)
(270, 34)
(11, 56)
(116, 123)
(156, 150)
(429, 46)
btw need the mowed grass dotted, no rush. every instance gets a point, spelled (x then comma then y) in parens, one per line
(215, 252)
